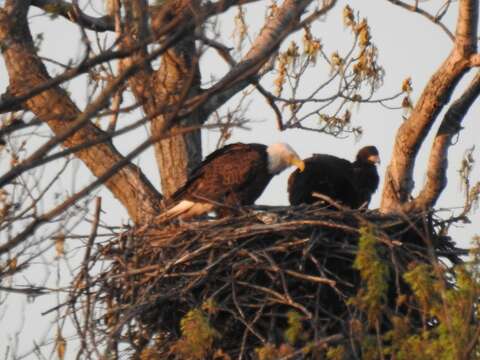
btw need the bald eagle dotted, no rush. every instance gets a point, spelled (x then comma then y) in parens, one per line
(351, 184)
(232, 176)
(365, 174)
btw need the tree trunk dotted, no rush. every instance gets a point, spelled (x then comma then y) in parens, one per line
(177, 79)
(57, 110)
(178, 155)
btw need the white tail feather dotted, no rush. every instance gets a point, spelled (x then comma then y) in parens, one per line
(178, 209)
(185, 210)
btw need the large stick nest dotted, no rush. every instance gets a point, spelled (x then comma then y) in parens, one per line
(250, 273)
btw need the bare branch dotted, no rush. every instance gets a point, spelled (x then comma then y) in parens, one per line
(432, 18)
(9, 102)
(273, 33)
(437, 164)
(437, 92)
(59, 209)
(30, 291)
(271, 101)
(72, 13)
(106, 23)
(327, 6)
(102, 179)
(56, 108)
(220, 6)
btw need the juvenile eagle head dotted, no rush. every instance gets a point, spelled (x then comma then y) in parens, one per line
(368, 154)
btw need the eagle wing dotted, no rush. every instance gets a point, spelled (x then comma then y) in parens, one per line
(366, 182)
(325, 174)
(227, 170)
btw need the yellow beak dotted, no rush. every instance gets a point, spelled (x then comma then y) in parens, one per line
(298, 163)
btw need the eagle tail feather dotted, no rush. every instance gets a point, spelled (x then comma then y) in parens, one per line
(185, 209)
(180, 208)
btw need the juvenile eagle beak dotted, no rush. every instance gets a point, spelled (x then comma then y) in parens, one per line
(374, 159)
(298, 163)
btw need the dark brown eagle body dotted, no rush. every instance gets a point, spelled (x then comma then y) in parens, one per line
(365, 174)
(324, 174)
(234, 175)
(351, 184)
(229, 178)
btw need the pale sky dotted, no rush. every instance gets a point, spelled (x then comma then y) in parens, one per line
(408, 45)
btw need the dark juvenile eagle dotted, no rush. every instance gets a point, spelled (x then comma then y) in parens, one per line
(232, 176)
(351, 184)
(365, 174)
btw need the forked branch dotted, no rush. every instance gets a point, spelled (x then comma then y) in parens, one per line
(55, 107)
(436, 94)
(438, 161)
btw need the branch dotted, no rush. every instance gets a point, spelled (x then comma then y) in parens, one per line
(106, 23)
(104, 178)
(271, 101)
(416, 9)
(17, 124)
(80, 122)
(412, 133)
(327, 6)
(437, 164)
(224, 52)
(9, 102)
(55, 107)
(74, 14)
(221, 6)
(467, 28)
(475, 60)
(31, 291)
(276, 29)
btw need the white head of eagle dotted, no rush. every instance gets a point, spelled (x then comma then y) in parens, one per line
(281, 156)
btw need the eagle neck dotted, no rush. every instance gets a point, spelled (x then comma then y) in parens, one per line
(276, 164)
